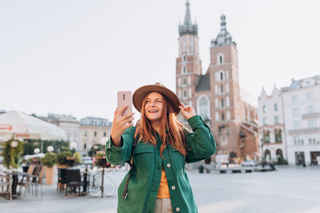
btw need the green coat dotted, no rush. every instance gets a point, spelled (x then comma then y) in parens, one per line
(145, 180)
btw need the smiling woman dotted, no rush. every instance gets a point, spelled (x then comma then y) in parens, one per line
(157, 181)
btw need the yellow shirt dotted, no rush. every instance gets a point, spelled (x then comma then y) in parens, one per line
(163, 188)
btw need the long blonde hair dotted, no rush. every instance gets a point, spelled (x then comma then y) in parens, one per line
(171, 131)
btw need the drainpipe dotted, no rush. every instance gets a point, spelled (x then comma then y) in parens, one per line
(284, 128)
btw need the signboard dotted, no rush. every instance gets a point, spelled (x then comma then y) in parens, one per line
(22, 135)
(5, 127)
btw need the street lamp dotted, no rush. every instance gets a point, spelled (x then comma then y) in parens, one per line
(73, 146)
(50, 148)
(262, 154)
(36, 150)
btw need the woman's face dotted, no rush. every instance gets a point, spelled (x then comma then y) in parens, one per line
(153, 106)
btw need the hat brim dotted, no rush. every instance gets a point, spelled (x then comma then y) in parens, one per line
(141, 92)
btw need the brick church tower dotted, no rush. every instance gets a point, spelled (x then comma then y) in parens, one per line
(216, 95)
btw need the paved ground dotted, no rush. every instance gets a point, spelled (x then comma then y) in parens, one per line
(290, 189)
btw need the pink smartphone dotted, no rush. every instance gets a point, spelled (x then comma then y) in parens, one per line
(124, 98)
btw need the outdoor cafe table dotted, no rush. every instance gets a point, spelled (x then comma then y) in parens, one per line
(15, 176)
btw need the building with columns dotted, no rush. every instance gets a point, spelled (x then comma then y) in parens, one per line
(216, 95)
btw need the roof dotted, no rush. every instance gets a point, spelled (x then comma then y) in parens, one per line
(296, 84)
(223, 37)
(188, 27)
(204, 83)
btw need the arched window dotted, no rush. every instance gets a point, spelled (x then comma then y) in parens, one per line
(220, 58)
(184, 93)
(221, 89)
(222, 103)
(221, 76)
(278, 136)
(184, 58)
(184, 69)
(222, 116)
(279, 153)
(267, 154)
(184, 81)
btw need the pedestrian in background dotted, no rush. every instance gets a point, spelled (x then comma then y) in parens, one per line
(158, 182)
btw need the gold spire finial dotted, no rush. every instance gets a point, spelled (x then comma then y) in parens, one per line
(187, 3)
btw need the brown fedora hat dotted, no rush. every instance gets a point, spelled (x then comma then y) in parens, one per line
(141, 92)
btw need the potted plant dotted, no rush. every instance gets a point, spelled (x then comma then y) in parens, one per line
(11, 152)
(62, 158)
(50, 160)
(101, 159)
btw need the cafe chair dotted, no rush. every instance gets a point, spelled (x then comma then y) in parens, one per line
(35, 181)
(73, 180)
(5, 186)
(26, 178)
(62, 179)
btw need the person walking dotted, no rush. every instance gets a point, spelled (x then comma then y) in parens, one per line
(157, 182)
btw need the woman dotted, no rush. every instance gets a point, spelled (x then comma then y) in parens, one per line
(158, 182)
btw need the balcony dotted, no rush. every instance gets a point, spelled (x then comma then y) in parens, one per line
(311, 115)
(305, 131)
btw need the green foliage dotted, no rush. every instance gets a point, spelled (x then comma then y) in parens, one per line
(62, 157)
(30, 145)
(77, 155)
(49, 160)
(12, 155)
(99, 148)
(101, 154)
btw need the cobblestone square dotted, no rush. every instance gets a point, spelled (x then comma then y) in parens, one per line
(289, 189)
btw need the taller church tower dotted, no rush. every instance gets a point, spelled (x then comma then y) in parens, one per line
(216, 95)
(188, 64)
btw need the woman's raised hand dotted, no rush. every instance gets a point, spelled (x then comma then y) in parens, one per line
(187, 111)
(120, 124)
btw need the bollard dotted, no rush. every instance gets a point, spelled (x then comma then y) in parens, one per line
(200, 168)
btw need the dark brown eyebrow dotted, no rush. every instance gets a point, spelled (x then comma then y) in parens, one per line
(155, 99)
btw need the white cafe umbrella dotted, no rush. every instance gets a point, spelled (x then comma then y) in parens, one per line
(20, 125)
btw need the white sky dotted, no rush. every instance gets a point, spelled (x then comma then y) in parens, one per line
(72, 56)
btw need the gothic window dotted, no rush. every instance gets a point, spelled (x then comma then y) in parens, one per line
(184, 69)
(221, 89)
(220, 58)
(184, 93)
(217, 116)
(222, 103)
(222, 116)
(184, 58)
(221, 76)
(184, 81)
(184, 44)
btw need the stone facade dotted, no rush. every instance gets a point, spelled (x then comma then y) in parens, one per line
(271, 126)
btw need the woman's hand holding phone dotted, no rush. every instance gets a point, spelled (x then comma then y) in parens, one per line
(119, 125)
